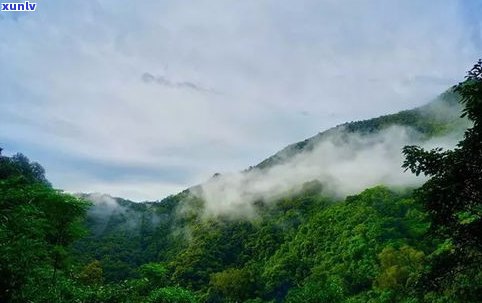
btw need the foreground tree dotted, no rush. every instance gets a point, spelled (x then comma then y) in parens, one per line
(37, 225)
(453, 196)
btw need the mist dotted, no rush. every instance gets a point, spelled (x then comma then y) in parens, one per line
(104, 207)
(344, 163)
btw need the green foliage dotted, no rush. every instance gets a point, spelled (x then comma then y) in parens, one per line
(37, 224)
(306, 247)
(453, 197)
(328, 291)
(127, 235)
(399, 268)
(344, 241)
(234, 284)
(20, 166)
(92, 273)
(171, 295)
(155, 273)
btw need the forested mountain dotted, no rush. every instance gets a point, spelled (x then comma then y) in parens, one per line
(436, 118)
(383, 244)
(139, 232)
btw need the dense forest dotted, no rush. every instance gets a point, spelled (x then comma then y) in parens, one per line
(380, 245)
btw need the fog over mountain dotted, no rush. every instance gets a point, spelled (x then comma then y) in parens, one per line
(186, 151)
(343, 161)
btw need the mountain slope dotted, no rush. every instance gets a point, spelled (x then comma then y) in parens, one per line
(436, 118)
(150, 231)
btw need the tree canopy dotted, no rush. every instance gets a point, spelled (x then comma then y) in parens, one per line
(453, 194)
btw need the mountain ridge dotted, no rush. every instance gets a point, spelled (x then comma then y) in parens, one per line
(437, 117)
(408, 117)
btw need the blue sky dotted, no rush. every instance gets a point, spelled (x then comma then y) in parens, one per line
(143, 99)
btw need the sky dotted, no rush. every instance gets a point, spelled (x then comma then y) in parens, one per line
(141, 99)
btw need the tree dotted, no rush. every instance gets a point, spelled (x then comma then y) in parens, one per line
(155, 273)
(92, 273)
(233, 283)
(453, 194)
(330, 290)
(399, 267)
(171, 295)
(37, 224)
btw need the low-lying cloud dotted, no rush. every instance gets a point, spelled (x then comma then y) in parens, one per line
(345, 163)
(108, 213)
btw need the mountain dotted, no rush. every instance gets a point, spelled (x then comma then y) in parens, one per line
(142, 231)
(330, 219)
(434, 119)
(304, 245)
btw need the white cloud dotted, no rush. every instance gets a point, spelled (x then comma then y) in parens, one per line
(344, 163)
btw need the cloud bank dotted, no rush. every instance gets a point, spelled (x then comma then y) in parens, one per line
(344, 163)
